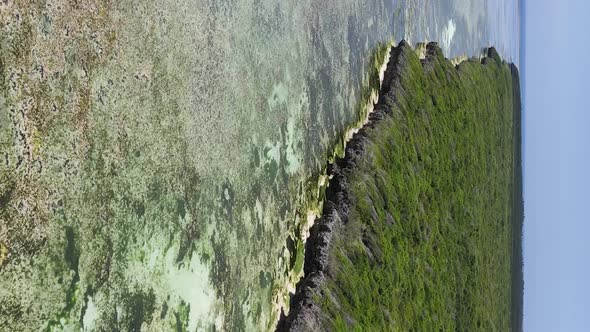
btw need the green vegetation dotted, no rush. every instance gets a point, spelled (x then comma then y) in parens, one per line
(429, 241)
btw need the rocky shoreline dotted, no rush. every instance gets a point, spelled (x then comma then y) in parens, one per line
(304, 313)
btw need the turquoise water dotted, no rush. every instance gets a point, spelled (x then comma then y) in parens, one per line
(158, 160)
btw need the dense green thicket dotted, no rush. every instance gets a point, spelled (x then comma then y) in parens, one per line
(428, 243)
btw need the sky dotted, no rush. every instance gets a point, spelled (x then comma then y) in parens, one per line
(555, 66)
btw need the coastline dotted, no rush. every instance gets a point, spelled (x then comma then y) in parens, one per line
(336, 208)
(305, 314)
(280, 307)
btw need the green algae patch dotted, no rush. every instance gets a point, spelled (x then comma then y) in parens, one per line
(3, 253)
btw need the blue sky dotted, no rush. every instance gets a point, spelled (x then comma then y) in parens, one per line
(557, 165)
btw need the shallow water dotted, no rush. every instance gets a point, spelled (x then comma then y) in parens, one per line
(158, 159)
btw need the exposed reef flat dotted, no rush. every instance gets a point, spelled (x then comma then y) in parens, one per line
(158, 159)
(418, 221)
